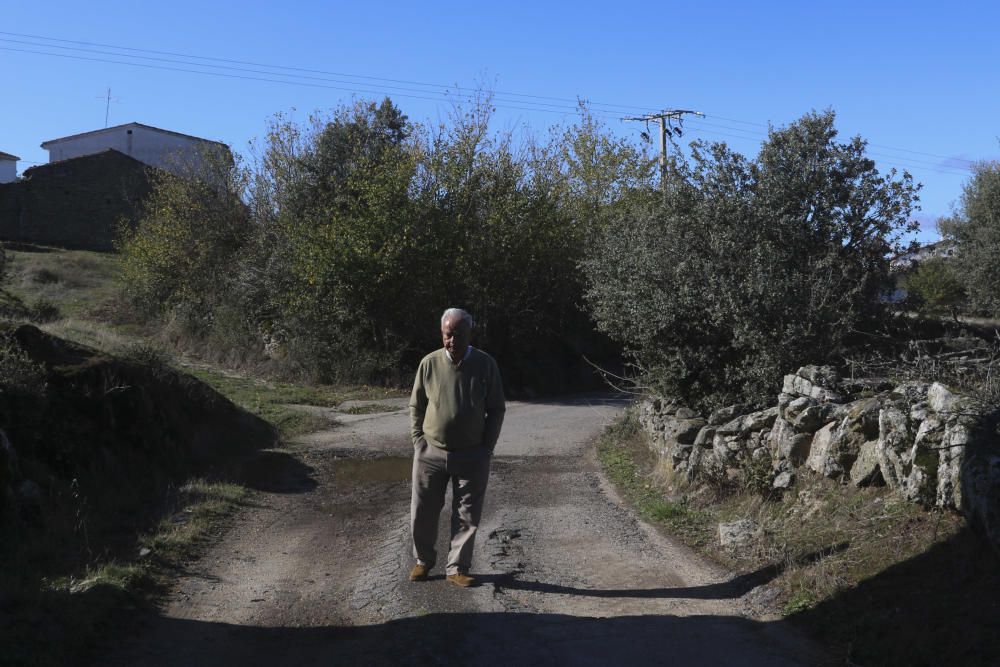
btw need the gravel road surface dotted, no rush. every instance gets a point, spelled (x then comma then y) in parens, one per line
(313, 571)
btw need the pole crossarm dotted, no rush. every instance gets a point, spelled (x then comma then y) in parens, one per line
(666, 119)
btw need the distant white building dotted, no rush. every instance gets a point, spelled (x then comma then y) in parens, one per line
(178, 153)
(945, 248)
(8, 167)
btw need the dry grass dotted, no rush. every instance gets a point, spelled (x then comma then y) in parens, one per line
(76, 282)
(57, 615)
(842, 559)
(82, 286)
(56, 602)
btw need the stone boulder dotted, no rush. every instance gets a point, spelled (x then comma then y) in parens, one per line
(684, 431)
(795, 405)
(952, 447)
(737, 533)
(912, 391)
(822, 459)
(685, 413)
(705, 437)
(893, 448)
(943, 401)
(835, 447)
(813, 418)
(981, 493)
(727, 447)
(921, 484)
(866, 470)
(760, 420)
(908, 466)
(728, 413)
(817, 382)
(821, 376)
(786, 443)
(783, 480)
(731, 427)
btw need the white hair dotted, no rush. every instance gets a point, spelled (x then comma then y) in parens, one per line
(460, 314)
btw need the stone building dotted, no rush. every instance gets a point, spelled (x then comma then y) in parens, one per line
(75, 203)
(95, 181)
(178, 153)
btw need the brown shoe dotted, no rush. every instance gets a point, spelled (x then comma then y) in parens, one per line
(420, 572)
(461, 579)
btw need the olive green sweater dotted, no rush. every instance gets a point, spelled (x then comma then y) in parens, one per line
(457, 407)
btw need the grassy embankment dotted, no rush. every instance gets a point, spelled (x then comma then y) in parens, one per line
(879, 580)
(77, 294)
(56, 607)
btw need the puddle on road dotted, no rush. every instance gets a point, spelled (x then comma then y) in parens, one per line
(385, 469)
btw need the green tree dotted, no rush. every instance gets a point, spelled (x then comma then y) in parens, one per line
(745, 269)
(504, 248)
(179, 258)
(597, 171)
(934, 286)
(352, 247)
(347, 236)
(975, 226)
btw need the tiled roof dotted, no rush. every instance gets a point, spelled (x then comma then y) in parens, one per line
(8, 156)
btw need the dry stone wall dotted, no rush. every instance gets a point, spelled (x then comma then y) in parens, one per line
(924, 441)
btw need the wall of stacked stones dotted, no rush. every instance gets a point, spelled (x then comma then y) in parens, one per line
(925, 442)
(75, 203)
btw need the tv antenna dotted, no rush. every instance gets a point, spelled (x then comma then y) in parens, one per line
(107, 104)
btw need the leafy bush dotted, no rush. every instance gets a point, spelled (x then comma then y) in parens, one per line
(181, 253)
(19, 374)
(743, 269)
(975, 227)
(147, 354)
(934, 286)
(44, 311)
(339, 247)
(42, 276)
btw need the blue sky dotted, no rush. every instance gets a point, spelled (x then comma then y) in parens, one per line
(916, 79)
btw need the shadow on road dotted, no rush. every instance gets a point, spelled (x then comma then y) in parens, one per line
(484, 639)
(725, 590)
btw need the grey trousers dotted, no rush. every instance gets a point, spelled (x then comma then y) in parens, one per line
(468, 473)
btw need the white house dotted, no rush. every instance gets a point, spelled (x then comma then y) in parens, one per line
(179, 153)
(945, 248)
(8, 167)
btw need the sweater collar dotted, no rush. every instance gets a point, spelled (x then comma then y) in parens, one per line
(468, 351)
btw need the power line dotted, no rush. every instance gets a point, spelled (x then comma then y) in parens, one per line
(882, 146)
(225, 68)
(908, 162)
(406, 82)
(443, 96)
(410, 89)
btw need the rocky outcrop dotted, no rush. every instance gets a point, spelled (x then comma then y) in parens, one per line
(924, 441)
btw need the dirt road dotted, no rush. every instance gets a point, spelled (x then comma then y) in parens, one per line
(314, 573)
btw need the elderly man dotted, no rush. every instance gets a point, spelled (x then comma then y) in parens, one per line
(456, 411)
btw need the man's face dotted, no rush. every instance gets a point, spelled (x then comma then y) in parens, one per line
(455, 336)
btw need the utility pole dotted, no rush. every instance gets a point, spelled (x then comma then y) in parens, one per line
(670, 121)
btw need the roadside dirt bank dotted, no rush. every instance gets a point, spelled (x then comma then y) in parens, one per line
(313, 572)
